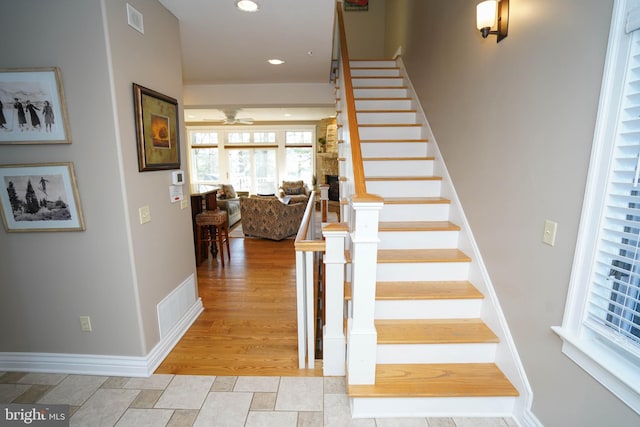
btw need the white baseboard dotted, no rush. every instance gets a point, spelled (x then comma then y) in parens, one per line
(115, 366)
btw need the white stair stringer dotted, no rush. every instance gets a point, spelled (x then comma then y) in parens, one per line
(403, 165)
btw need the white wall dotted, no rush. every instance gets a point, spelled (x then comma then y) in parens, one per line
(515, 124)
(117, 270)
(366, 31)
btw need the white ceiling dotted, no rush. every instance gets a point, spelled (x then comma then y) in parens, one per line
(222, 45)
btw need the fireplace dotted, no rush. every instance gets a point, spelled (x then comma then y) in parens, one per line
(334, 187)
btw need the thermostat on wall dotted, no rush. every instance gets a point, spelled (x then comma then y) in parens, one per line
(177, 177)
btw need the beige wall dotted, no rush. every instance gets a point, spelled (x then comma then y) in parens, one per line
(515, 124)
(365, 31)
(116, 270)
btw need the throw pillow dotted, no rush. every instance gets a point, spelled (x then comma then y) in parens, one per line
(291, 191)
(229, 191)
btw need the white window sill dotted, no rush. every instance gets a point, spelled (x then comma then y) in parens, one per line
(615, 372)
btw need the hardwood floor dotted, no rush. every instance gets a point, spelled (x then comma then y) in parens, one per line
(248, 326)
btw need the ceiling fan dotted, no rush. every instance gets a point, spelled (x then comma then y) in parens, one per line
(231, 119)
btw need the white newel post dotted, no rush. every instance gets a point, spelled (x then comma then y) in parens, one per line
(361, 359)
(334, 344)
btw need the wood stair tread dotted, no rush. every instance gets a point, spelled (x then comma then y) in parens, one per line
(433, 331)
(437, 380)
(385, 125)
(421, 255)
(392, 141)
(415, 200)
(417, 226)
(422, 290)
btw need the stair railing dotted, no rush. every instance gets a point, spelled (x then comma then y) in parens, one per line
(361, 214)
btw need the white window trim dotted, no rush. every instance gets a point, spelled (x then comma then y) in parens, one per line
(615, 371)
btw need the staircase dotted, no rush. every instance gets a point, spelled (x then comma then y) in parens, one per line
(439, 339)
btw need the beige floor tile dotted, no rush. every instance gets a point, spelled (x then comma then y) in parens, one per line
(185, 392)
(224, 409)
(145, 417)
(224, 383)
(272, 419)
(480, 422)
(263, 402)
(182, 418)
(8, 392)
(115, 382)
(338, 414)
(154, 382)
(146, 399)
(335, 385)
(300, 394)
(73, 390)
(401, 422)
(11, 377)
(33, 394)
(441, 422)
(257, 384)
(104, 408)
(44, 379)
(310, 419)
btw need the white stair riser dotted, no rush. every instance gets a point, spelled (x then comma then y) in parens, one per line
(406, 188)
(387, 272)
(377, 82)
(360, 72)
(415, 212)
(383, 104)
(390, 132)
(394, 149)
(382, 63)
(428, 309)
(418, 239)
(398, 168)
(420, 407)
(436, 353)
(379, 93)
(387, 118)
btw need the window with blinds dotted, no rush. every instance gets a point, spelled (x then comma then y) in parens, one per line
(601, 325)
(614, 298)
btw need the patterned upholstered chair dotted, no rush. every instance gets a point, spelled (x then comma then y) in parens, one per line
(270, 218)
(296, 190)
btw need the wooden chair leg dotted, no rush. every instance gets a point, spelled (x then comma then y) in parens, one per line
(226, 236)
(219, 233)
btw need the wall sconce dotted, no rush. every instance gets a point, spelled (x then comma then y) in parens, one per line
(486, 14)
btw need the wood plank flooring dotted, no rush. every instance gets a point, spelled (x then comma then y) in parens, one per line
(248, 326)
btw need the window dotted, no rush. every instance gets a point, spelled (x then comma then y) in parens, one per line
(600, 329)
(299, 156)
(204, 157)
(251, 158)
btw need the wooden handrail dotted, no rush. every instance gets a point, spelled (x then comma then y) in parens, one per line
(301, 242)
(360, 186)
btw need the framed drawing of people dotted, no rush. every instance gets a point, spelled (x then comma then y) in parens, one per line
(156, 130)
(40, 197)
(32, 107)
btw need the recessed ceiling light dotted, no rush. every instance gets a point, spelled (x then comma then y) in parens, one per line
(247, 5)
(276, 61)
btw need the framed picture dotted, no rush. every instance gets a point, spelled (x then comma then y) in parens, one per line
(32, 107)
(156, 129)
(356, 5)
(40, 197)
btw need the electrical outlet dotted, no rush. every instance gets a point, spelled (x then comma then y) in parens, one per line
(145, 214)
(85, 323)
(550, 230)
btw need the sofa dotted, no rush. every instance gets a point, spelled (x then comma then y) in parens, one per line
(270, 218)
(229, 200)
(297, 191)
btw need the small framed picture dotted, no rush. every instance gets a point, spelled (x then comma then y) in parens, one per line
(356, 5)
(40, 197)
(156, 130)
(32, 107)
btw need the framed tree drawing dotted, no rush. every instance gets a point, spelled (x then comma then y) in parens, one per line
(40, 197)
(32, 107)
(156, 130)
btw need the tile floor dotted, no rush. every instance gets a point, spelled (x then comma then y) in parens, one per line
(186, 400)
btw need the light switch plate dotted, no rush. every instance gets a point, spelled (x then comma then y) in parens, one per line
(550, 230)
(145, 214)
